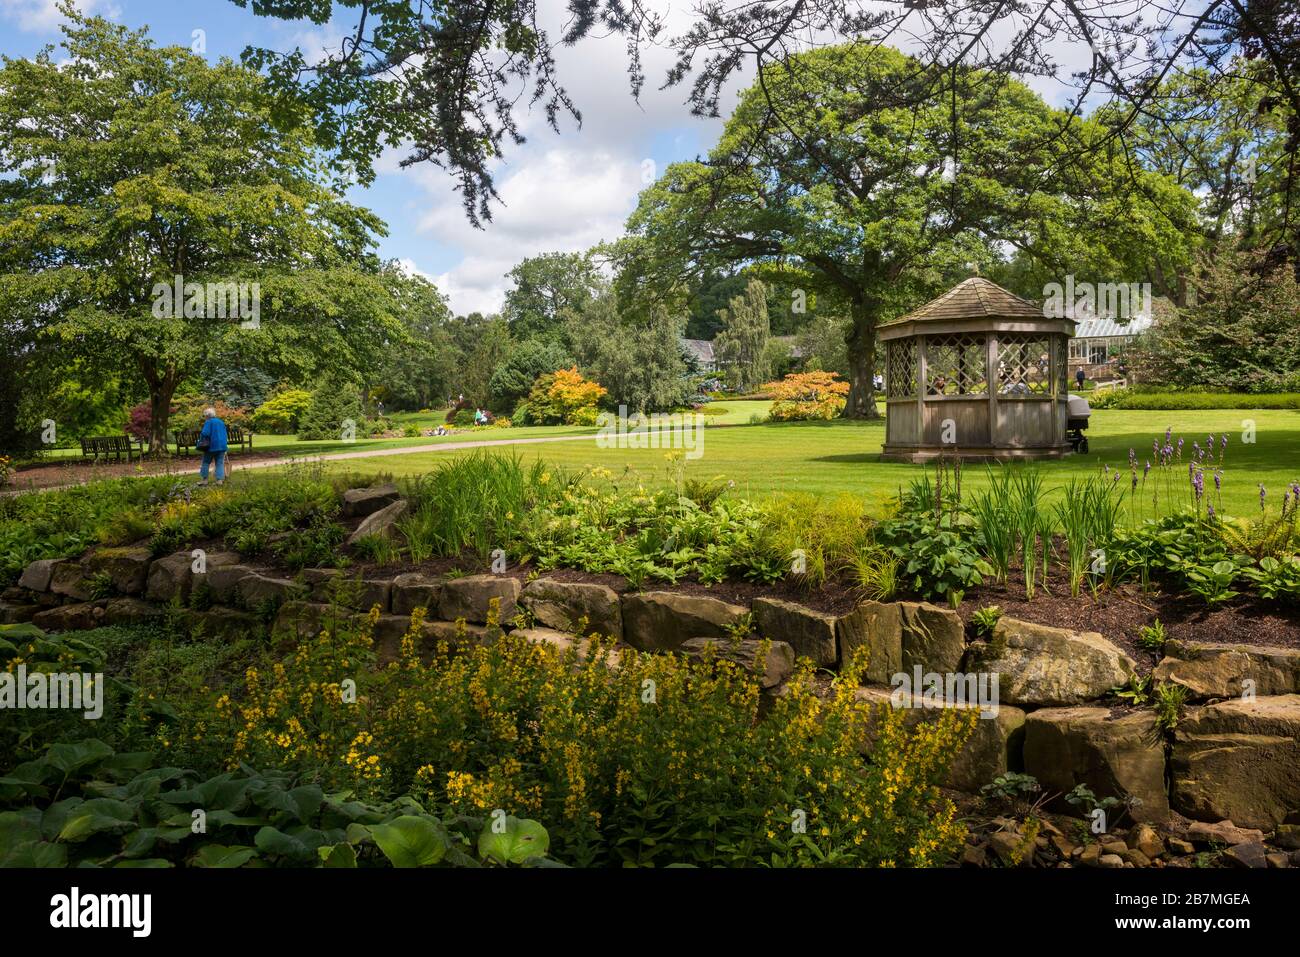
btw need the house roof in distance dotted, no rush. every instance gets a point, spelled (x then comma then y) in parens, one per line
(702, 349)
(973, 298)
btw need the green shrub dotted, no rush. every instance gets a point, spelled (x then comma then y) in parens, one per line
(1168, 705)
(281, 413)
(938, 544)
(313, 546)
(127, 526)
(986, 619)
(829, 536)
(380, 549)
(63, 523)
(1152, 637)
(1276, 579)
(1144, 400)
(660, 535)
(477, 502)
(940, 562)
(333, 404)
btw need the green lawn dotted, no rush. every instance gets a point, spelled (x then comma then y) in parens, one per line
(828, 458)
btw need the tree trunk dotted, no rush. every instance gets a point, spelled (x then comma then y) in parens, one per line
(161, 389)
(861, 402)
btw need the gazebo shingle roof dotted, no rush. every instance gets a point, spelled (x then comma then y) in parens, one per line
(974, 298)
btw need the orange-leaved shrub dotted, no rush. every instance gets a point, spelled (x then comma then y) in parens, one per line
(563, 396)
(807, 395)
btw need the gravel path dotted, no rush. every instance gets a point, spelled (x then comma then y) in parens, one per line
(412, 450)
(235, 465)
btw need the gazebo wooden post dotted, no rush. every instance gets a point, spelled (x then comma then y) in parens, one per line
(922, 371)
(991, 357)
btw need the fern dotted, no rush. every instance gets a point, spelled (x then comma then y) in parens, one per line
(1264, 538)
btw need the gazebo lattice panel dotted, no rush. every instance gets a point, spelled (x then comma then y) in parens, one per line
(902, 369)
(955, 365)
(1024, 365)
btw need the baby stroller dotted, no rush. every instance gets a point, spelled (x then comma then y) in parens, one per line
(1077, 422)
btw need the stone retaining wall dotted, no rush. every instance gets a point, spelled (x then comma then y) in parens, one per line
(1232, 757)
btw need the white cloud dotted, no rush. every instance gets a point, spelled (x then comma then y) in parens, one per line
(43, 16)
(316, 43)
(560, 193)
(563, 200)
(408, 266)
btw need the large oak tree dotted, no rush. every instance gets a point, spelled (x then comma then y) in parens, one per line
(875, 187)
(123, 166)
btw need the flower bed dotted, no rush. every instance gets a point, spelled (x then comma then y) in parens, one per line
(780, 616)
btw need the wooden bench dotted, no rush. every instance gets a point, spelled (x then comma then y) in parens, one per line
(114, 445)
(235, 436)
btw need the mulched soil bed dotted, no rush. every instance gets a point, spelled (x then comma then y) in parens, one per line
(1119, 614)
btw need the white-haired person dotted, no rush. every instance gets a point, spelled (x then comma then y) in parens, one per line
(212, 442)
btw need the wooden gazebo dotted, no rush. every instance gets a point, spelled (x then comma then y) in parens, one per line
(978, 373)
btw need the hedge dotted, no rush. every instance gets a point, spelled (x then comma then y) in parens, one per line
(1173, 401)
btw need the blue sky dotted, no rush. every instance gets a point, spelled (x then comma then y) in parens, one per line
(563, 192)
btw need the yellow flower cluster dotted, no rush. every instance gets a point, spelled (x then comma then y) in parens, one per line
(362, 759)
(659, 746)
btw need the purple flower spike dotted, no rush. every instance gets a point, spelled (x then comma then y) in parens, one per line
(1146, 470)
(1209, 510)
(1218, 481)
(1262, 494)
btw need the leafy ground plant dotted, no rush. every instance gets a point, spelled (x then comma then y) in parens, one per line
(1168, 703)
(84, 804)
(985, 620)
(1152, 637)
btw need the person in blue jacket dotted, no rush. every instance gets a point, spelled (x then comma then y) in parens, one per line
(212, 443)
